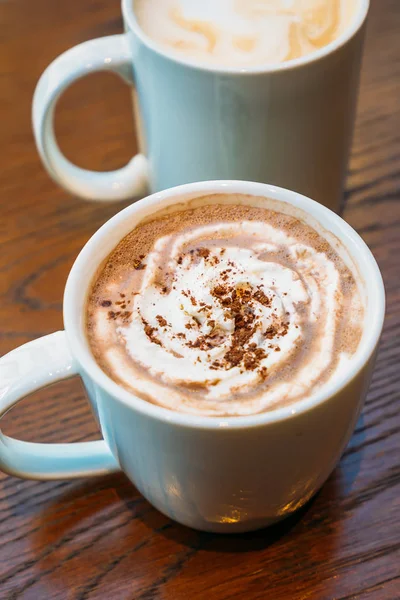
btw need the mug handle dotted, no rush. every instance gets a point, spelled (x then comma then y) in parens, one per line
(109, 53)
(27, 369)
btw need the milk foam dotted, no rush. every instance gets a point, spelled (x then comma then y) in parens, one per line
(293, 299)
(244, 32)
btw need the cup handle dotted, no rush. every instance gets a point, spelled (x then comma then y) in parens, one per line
(27, 369)
(109, 53)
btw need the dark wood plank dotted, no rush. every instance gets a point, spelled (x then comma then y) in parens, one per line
(96, 539)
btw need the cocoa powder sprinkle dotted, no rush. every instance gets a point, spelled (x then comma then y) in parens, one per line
(262, 298)
(138, 265)
(270, 332)
(150, 332)
(161, 321)
(239, 303)
(203, 252)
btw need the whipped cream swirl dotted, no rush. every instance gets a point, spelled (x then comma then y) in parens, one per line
(229, 319)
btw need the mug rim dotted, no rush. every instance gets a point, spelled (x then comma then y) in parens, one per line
(359, 20)
(353, 243)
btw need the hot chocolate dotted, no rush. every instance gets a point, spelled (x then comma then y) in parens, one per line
(225, 306)
(244, 32)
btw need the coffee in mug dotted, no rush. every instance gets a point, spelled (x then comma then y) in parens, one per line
(208, 443)
(225, 306)
(244, 32)
(254, 90)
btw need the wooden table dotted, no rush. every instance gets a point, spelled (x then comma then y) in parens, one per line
(98, 538)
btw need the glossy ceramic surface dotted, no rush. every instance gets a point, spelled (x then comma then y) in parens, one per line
(215, 474)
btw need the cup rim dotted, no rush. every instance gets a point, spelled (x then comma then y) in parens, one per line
(357, 248)
(358, 21)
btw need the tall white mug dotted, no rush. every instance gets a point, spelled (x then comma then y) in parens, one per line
(290, 124)
(211, 473)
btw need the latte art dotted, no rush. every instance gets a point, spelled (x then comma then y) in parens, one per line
(244, 31)
(224, 317)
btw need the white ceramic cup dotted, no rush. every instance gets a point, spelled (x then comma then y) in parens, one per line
(211, 473)
(288, 124)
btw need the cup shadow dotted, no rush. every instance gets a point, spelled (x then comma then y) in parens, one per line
(104, 532)
(89, 499)
(108, 514)
(242, 542)
(86, 499)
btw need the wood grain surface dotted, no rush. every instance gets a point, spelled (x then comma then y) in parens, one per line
(95, 539)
